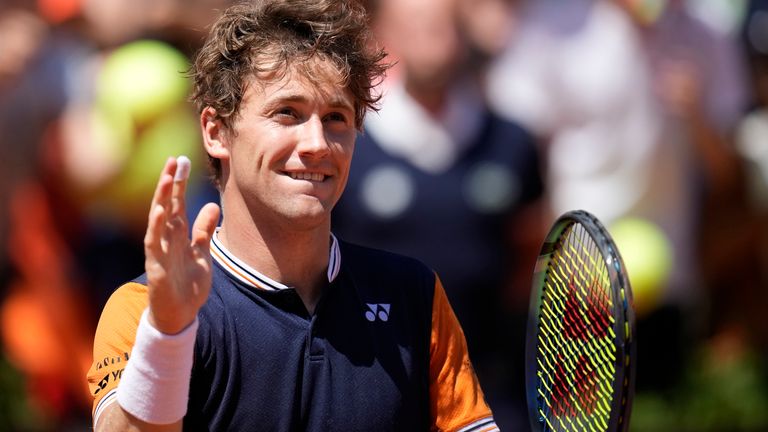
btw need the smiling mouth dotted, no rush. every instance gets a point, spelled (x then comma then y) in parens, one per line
(312, 176)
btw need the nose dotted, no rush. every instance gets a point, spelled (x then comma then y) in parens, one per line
(313, 141)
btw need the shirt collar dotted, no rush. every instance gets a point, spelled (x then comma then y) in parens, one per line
(251, 277)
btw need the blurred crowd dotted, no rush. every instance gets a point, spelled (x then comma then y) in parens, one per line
(496, 117)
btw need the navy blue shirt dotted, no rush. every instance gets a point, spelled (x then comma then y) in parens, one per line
(382, 350)
(263, 363)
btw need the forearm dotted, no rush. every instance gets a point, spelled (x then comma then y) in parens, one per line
(115, 418)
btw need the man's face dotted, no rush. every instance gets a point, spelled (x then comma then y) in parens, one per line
(289, 155)
(423, 36)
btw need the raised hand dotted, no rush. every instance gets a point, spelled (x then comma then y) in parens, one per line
(178, 268)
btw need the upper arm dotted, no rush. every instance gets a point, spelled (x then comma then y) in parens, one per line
(112, 345)
(456, 399)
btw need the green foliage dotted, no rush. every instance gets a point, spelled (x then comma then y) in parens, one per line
(17, 413)
(717, 394)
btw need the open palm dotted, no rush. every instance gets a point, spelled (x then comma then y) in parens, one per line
(178, 267)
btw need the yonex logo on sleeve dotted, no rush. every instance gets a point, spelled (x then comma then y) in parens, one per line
(377, 310)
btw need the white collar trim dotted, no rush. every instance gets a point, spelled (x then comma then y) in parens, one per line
(251, 277)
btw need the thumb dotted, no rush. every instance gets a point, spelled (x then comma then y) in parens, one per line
(205, 225)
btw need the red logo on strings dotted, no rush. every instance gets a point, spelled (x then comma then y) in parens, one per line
(585, 317)
(595, 302)
(586, 391)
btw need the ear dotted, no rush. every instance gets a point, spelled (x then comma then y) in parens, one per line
(215, 136)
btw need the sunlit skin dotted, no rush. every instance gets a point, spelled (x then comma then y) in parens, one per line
(287, 158)
(285, 164)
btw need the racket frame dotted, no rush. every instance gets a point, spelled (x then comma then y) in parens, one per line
(624, 382)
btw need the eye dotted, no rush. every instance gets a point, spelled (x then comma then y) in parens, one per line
(336, 117)
(285, 112)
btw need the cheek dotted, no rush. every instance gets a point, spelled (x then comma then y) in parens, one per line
(342, 140)
(349, 143)
(268, 149)
(346, 149)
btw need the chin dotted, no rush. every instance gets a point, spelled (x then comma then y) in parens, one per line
(308, 216)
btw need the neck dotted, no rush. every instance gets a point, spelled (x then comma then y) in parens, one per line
(298, 259)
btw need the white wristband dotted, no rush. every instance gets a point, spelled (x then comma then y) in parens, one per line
(155, 383)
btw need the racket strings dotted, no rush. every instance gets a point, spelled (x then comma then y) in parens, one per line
(576, 355)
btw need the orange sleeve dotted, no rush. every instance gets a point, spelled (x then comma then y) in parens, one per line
(456, 399)
(112, 344)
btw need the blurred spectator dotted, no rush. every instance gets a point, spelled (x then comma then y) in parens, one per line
(21, 36)
(698, 193)
(575, 74)
(43, 334)
(180, 22)
(440, 177)
(486, 26)
(752, 145)
(81, 120)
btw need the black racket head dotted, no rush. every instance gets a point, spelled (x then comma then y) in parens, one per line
(580, 346)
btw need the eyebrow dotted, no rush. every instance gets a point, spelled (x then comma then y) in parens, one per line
(335, 101)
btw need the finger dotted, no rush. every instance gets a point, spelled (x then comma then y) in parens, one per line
(163, 184)
(157, 211)
(155, 229)
(205, 225)
(180, 179)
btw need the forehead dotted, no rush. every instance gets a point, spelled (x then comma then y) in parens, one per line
(315, 79)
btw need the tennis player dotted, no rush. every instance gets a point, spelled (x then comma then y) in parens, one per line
(267, 321)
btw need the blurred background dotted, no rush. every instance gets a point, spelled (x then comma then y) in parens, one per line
(498, 116)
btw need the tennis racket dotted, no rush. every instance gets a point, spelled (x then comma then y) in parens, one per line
(580, 346)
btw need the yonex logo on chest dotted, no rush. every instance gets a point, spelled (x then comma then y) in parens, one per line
(377, 310)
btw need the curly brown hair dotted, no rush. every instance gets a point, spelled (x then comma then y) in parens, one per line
(269, 37)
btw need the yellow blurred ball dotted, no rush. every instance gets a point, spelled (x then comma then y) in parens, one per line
(173, 134)
(144, 79)
(648, 258)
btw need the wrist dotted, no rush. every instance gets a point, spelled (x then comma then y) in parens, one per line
(169, 327)
(155, 383)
